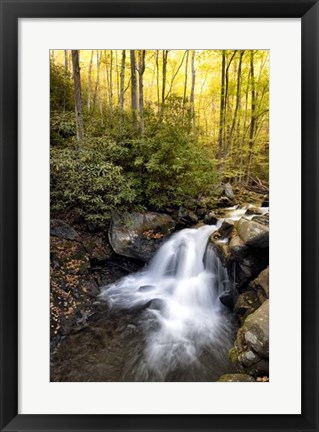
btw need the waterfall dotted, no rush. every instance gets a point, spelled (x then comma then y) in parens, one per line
(186, 330)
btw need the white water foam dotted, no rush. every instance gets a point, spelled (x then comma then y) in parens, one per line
(183, 319)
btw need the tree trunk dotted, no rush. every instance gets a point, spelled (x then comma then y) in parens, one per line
(237, 105)
(97, 83)
(89, 83)
(141, 70)
(66, 62)
(122, 83)
(133, 89)
(164, 73)
(225, 138)
(117, 77)
(192, 95)
(66, 72)
(222, 113)
(157, 80)
(253, 116)
(185, 85)
(77, 94)
(111, 84)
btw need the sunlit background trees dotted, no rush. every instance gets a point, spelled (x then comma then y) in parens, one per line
(153, 128)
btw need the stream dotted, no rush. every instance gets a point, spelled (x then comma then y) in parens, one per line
(163, 323)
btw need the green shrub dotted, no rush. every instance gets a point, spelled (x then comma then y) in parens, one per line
(88, 182)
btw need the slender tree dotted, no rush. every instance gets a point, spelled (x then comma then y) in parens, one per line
(185, 83)
(122, 84)
(97, 82)
(141, 70)
(89, 82)
(221, 113)
(66, 62)
(133, 89)
(192, 95)
(253, 115)
(238, 98)
(164, 73)
(111, 83)
(77, 95)
(157, 79)
(66, 73)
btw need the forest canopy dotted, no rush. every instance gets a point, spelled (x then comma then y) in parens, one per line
(147, 129)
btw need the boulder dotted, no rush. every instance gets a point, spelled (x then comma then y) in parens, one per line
(227, 299)
(201, 212)
(253, 233)
(224, 201)
(246, 268)
(236, 378)
(251, 349)
(247, 303)
(139, 235)
(261, 285)
(186, 217)
(254, 211)
(228, 191)
(61, 229)
(237, 247)
(210, 218)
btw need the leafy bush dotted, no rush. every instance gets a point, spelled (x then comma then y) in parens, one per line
(88, 182)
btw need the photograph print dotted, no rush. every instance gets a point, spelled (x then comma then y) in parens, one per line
(159, 215)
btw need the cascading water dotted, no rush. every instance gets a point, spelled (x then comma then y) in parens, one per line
(186, 331)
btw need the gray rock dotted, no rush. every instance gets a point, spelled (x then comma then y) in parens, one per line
(187, 217)
(228, 191)
(236, 378)
(261, 285)
(139, 235)
(210, 218)
(251, 350)
(253, 233)
(247, 303)
(201, 212)
(61, 229)
(237, 247)
(227, 299)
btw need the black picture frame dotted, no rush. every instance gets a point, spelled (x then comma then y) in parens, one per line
(11, 11)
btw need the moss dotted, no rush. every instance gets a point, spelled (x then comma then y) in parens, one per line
(233, 355)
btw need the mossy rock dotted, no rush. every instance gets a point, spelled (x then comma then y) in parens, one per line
(236, 378)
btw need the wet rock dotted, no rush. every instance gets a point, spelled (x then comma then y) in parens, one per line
(139, 235)
(264, 219)
(253, 233)
(186, 217)
(251, 349)
(146, 288)
(261, 285)
(247, 303)
(227, 299)
(237, 247)
(247, 268)
(254, 211)
(157, 304)
(62, 230)
(210, 218)
(236, 378)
